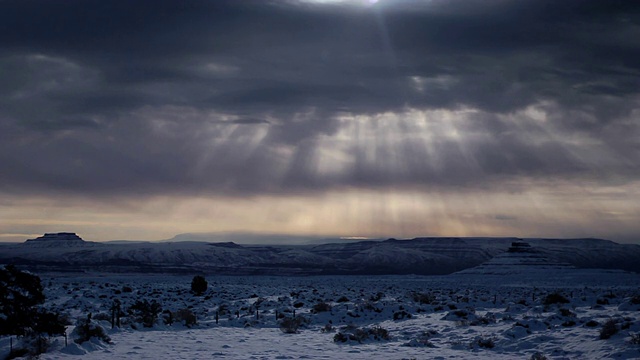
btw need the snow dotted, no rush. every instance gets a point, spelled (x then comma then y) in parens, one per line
(461, 313)
(425, 256)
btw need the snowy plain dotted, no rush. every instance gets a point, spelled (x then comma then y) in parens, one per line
(457, 316)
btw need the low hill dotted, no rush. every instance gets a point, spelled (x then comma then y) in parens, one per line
(424, 256)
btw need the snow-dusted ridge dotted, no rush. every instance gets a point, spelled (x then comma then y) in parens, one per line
(425, 256)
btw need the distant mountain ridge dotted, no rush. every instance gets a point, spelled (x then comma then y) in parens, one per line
(423, 256)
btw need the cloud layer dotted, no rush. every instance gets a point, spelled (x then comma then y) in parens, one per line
(121, 99)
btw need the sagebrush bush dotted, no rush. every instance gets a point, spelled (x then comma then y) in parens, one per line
(146, 312)
(376, 297)
(86, 329)
(602, 301)
(340, 337)
(187, 316)
(609, 329)
(423, 298)
(321, 307)
(486, 319)
(379, 333)
(538, 356)
(567, 313)
(486, 342)
(290, 325)
(399, 315)
(352, 333)
(555, 298)
(328, 328)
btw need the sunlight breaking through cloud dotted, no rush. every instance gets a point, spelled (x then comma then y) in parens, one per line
(380, 113)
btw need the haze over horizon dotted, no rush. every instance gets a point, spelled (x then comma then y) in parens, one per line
(390, 118)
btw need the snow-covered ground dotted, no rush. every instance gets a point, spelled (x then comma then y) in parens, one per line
(455, 316)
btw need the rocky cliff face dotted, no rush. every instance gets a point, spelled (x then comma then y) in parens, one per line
(57, 240)
(63, 236)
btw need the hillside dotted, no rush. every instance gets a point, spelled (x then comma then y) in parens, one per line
(424, 256)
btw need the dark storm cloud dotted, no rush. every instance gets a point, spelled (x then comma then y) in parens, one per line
(187, 96)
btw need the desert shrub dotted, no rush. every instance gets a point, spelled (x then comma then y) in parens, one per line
(352, 333)
(422, 298)
(290, 325)
(423, 339)
(567, 312)
(340, 337)
(429, 333)
(342, 299)
(87, 329)
(127, 289)
(321, 307)
(538, 356)
(328, 328)
(187, 316)
(602, 301)
(635, 300)
(199, 285)
(359, 335)
(591, 323)
(555, 298)
(379, 333)
(369, 306)
(146, 312)
(223, 309)
(399, 315)
(486, 342)
(377, 296)
(635, 338)
(488, 318)
(609, 329)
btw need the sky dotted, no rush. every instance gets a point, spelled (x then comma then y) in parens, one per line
(393, 118)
